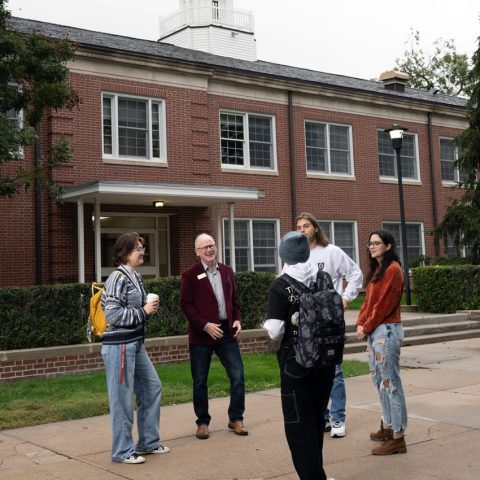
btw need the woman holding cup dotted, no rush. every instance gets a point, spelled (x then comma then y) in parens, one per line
(129, 369)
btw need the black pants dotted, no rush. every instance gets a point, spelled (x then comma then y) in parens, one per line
(305, 394)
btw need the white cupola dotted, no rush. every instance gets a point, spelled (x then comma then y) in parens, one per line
(212, 26)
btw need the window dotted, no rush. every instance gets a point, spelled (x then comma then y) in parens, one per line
(328, 148)
(341, 234)
(452, 251)
(133, 128)
(247, 140)
(414, 239)
(255, 245)
(387, 156)
(154, 229)
(449, 154)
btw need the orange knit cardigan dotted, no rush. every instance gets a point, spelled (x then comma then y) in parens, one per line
(382, 300)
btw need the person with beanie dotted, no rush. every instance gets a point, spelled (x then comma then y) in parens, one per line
(304, 391)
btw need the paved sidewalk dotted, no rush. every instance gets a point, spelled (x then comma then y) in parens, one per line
(442, 385)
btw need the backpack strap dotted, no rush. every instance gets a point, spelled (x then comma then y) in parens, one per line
(295, 284)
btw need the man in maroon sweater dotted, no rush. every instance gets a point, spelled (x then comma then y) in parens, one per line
(208, 299)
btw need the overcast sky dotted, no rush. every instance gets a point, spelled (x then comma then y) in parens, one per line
(358, 38)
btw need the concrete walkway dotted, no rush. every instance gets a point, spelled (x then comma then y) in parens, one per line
(442, 384)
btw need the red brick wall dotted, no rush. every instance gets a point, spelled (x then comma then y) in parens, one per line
(39, 363)
(194, 157)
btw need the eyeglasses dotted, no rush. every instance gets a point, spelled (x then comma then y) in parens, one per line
(139, 249)
(206, 247)
(374, 244)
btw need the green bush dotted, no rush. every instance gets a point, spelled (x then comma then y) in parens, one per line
(447, 288)
(51, 315)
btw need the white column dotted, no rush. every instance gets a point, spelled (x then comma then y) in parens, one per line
(98, 246)
(80, 242)
(220, 242)
(232, 236)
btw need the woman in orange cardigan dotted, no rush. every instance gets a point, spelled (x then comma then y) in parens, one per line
(379, 322)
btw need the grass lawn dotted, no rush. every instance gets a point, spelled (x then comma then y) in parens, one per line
(35, 402)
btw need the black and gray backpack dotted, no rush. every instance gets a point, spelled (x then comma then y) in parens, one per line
(321, 323)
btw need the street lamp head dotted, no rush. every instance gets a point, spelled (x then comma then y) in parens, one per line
(396, 135)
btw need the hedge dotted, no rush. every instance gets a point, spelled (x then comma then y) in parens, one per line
(447, 288)
(52, 315)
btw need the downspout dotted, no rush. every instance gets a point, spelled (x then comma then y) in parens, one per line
(291, 140)
(38, 209)
(432, 178)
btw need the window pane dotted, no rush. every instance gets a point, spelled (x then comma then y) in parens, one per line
(260, 138)
(414, 240)
(326, 229)
(264, 246)
(107, 126)
(315, 145)
(232, 138)
(155, 130)
(345, 238)
(339, 149)
(132, 131)
(241, 245)
(386, 157)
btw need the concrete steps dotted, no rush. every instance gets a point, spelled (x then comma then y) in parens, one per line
(427, 329)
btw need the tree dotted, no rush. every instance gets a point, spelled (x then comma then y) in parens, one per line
(33, 79)
(444, 69)
(461, 222)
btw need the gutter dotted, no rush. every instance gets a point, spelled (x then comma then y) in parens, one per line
(291, 141)
(38, 210)
(432, 178)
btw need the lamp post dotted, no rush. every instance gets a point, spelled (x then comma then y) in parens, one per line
(396, 135)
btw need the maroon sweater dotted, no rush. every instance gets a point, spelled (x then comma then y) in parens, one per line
(382, 300)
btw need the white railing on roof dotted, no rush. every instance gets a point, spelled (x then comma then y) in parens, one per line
(206, 14)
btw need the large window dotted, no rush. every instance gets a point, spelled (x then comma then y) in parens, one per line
(133, 128)
(328, 148)
(414, 239)
(255, 245)
(343, 235)
(247, 140)
(449, 154)
(154, 229)
(387, 157)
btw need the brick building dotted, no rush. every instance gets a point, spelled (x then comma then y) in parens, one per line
(221, 142)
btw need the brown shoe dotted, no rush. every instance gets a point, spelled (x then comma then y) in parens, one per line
(237, 427)
(202, 431)
(395, 445)
(382, 435)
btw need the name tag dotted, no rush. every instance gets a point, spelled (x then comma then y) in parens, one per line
(202, 275)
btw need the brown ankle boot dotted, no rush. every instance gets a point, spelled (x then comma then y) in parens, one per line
(394, 445)
(383, 434)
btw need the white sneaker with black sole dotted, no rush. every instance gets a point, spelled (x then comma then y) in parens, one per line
(338, 429)
(134, 459)
(159, 450)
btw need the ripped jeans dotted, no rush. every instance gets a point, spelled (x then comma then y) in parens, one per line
(384, 357)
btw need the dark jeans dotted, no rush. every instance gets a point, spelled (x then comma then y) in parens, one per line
(305, 394)
(228, 351)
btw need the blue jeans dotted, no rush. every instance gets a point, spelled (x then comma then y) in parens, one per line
(384, 357)
(338, 398)
(228, 351)
(140, 378)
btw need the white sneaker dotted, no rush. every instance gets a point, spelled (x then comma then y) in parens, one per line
(338, 429)
(134, 459)
(160, 449)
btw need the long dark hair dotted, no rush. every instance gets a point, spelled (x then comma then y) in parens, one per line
(377, 271)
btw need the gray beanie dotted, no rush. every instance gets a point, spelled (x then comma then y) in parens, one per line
(294, 248)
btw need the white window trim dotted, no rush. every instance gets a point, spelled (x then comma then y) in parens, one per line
(143, 270)
(422, 232)
(355, 234)
(449, 183)
(329, 174)
(115, 157)
(408, 181)
(19, 118)
(246, 168)
(250, 238)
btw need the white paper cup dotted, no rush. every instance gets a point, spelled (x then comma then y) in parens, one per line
(152, 297)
